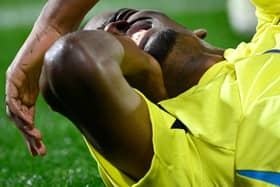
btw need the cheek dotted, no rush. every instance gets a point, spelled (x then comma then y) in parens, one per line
(174, 63)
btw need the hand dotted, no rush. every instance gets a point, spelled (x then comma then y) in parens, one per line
(21, 95)
(57, 18)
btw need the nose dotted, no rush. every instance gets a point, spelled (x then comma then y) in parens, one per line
(118, 27)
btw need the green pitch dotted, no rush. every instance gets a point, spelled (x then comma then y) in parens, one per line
(68, 163)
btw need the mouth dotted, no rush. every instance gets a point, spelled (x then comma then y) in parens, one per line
(140, 32)
(138, 28)
(148, 33)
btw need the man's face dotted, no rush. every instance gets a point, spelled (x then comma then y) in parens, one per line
(157, 35)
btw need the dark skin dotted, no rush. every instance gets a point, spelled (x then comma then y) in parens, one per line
(90, 76)
(22, 77)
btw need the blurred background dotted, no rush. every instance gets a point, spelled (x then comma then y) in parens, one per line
(68, 162)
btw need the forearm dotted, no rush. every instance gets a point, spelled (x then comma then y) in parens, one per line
(57, 18)
(65, 15)
(30, 56)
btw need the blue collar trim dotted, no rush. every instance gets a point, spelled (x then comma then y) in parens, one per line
(265, 176)
(272, 51)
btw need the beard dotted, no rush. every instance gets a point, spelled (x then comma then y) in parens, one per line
(160, 45)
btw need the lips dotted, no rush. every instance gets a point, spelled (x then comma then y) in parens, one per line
(137, 37)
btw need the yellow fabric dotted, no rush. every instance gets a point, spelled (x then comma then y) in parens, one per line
(268, 6)
(106, 170)
(232, 117)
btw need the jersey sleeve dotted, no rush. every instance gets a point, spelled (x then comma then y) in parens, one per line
(267, 12)
(268, 6)
(258, 137)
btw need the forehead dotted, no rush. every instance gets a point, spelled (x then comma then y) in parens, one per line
(99, 20)
(102, 19)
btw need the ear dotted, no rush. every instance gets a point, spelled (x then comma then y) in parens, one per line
(200, 33)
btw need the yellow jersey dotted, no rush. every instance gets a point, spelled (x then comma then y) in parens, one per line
(232, 117)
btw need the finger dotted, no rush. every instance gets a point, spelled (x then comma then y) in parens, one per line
(34, 141)
(16, 109)
(35, 133)
(30, 147)
(35, 146)
(20, 124)
(32, 137)
(27, 130)
(41, 149)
